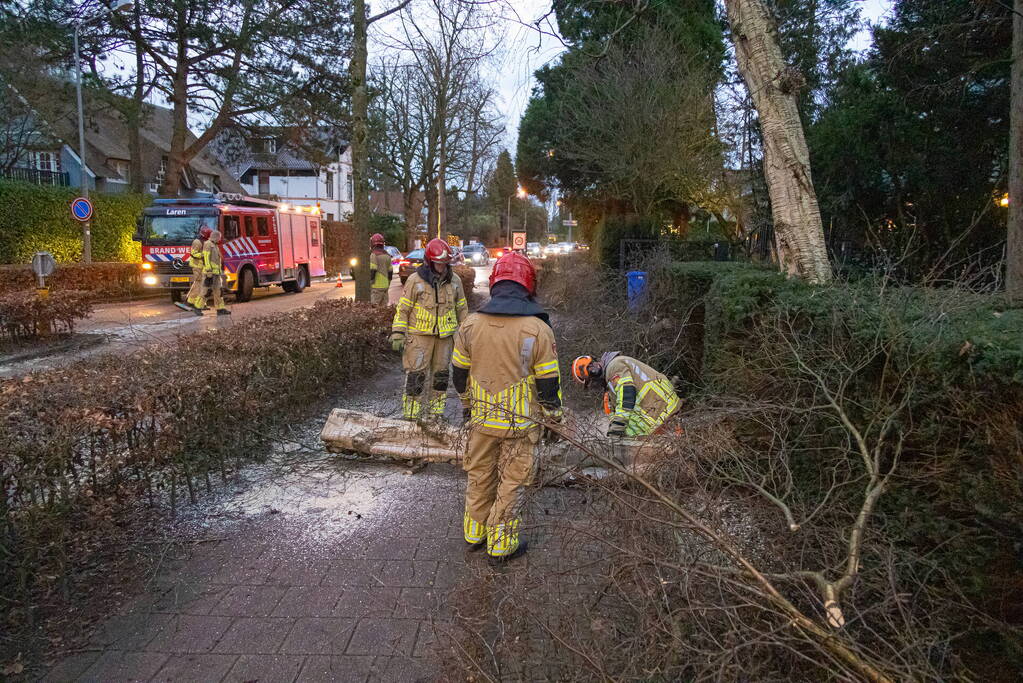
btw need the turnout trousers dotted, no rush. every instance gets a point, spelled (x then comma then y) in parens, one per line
(195, 292)
(499, 469)
(426, 362)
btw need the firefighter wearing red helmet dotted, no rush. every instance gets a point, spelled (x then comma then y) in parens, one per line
(195, 296)
(380, 270)
(431, 308)
(505, 369)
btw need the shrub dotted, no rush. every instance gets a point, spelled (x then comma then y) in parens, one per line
(26, 314)
(38, 218)
(338, 246)
(118, 431)
(101, 280)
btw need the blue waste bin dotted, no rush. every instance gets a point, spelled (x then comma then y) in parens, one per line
(635, 288)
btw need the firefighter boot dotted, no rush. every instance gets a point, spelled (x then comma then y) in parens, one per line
(411, 400)
(440, 394)
(475, 534)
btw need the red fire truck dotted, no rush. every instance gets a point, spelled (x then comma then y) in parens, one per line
(263, 243)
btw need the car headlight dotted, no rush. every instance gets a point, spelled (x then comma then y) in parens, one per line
(150, 280)
(354, 262)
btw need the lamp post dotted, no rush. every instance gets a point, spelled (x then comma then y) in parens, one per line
(521, 192)
(115, 6)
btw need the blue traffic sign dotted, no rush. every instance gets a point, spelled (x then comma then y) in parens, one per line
(81, 209)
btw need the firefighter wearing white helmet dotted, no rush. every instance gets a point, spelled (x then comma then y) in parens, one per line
(638, 398)
(431, 308)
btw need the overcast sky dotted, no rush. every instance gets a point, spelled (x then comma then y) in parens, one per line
(526, 50)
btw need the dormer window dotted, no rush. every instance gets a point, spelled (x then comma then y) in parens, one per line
(270, 145)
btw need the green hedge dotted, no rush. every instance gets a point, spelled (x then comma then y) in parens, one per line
(38, 218)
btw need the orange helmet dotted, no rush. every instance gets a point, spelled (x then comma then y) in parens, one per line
(581, 368)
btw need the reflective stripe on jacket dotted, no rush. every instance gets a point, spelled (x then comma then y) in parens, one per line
(655, 397)
(380, 269)
(211, 263)
(505, 355)
(428, 308)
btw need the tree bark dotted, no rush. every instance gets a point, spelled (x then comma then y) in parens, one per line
(774, 88)
(135, 180)
(1014, 244)
(360, 112)
(442, 215)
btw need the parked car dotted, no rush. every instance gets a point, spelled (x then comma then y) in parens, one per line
(533, 250)
(408, 265)
(457, 258)
(476, 254)
(395, 255)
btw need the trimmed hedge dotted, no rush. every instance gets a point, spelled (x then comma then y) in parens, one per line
(87, 444)
(26, 314)
(101, 280)
(38, 218)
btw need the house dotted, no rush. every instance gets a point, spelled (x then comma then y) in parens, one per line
(295, 166)
(49, 152)
(393, 202)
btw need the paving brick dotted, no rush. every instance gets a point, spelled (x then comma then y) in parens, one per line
(190, 634)
(404, 669)
(329, 669)
(387, 548)
(375, 636)
(347, 572)
(249, 571)
(130, 631)
(254, 635)
(189, 597)
(195, 668)
(318, 636)
(298, 573)
(450, 573)
(417, 603)
(407, 572)
(249, 601)
(309, 601)
(358, 602)
(71, 667)
(116, 665)
(265, 668)
(443, 549)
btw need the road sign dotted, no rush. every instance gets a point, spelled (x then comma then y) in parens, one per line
(518, 240)
(43, 263)
(81, 209)
(570, 223)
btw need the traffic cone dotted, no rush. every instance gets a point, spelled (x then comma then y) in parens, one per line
(338, 280)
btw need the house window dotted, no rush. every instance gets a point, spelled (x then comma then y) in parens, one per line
(329, 217)
(330, 185)
(122, 167)
(205, 181)
(350, 189)
(270, 145)
(44, 161)
(263, 226)
(264, 182)
(162, 173)
(231, 227)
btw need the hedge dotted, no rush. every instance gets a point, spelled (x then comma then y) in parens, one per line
(100, 280)
(958, 499)
(38, 218)
(110, 434)
(25, 315)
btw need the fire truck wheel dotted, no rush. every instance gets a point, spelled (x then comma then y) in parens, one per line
(301, 280)
(245, 284)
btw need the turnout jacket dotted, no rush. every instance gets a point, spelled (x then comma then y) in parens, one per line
(212, 263)
(505, 364)
(639, 395)
(380, 268)
(431, 304)
(195, 254)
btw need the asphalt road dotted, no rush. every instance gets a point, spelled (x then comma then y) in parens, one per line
(148, 322)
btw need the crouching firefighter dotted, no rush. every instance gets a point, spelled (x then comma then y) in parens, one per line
(431, 308)
(195, 297)
(505, 369)
(638, 398)
(380, 270)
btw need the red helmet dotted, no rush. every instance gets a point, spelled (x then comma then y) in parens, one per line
(205, 232)
(376, 239)
(437, 251)
(515, 267)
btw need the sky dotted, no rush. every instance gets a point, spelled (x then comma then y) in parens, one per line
(525, 50)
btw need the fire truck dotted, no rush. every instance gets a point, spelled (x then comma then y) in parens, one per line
(264, 243)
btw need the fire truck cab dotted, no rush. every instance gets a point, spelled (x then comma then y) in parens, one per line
(263, 243)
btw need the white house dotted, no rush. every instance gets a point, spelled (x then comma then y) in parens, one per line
(296, 168)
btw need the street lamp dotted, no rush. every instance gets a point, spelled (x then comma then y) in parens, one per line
(522, 194)
(115, 6)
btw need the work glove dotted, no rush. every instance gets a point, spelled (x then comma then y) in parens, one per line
(398, 342)
(551, 416)
(617, 428)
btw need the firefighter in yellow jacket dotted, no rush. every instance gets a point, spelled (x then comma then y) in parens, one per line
(639, 399)
(213, 272)
(431, 308)
(380, 270)
(505, 368)
(195, 292)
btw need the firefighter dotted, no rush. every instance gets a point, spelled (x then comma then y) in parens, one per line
(430, 310)
(195, 297)
(380, 270)
(213, 273)
(638, 398)
(505, 369)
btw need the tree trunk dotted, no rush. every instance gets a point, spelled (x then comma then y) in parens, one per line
(176, 161)
(1014, 246)
(135, 180)
(774, 88)
(360, 109)
(442, 216)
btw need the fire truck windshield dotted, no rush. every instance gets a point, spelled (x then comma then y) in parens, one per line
(177, 228)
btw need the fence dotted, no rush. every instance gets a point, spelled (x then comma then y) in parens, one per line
(36, 177)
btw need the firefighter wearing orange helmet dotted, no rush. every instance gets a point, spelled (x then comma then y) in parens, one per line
(638, 398)
(505, 369)
(380, 270)
(430, 310)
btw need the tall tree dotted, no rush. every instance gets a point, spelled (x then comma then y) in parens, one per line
(774, 87)
(501, 189)
(1014, 248)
